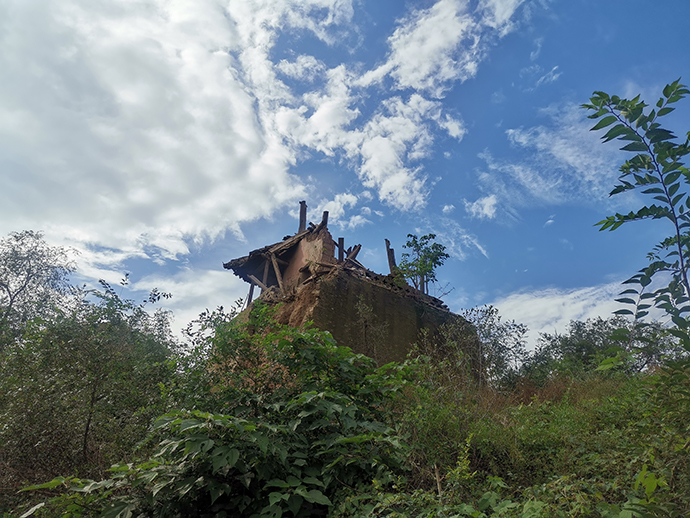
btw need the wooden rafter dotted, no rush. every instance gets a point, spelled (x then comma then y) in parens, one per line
(258, 282)
(278, 275)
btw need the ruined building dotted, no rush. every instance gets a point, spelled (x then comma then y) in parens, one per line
(316, 279)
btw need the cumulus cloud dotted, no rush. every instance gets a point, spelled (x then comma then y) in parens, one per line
(434, 47)
(146, 136)
(337, 206)
(150, 127)
(304, 67)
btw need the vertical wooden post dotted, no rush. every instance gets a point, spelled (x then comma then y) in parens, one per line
(278, 275)
(302, 216)
(251, 294)
(324, 219)
(390, 253)
(265, 278)
(341, 249)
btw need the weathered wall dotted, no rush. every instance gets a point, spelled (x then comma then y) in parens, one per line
(319, 248)
(371, 318)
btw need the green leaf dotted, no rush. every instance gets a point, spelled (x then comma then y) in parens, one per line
(233, 456)
(606, 121)
(188, 424)
(623, 312)
(119, 510)
(48, 485)
(295, 504)
(634, 146)
(274, 498)
(614, 132)
(625, 301)
(317, 497)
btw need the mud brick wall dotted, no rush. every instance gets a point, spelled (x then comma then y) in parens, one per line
(371, 318)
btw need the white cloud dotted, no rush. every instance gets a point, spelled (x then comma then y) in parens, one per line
(305, 67)
(447, 209)
(499, 13)
(337, 206)
(559, 162)
(457, 239)
(129, 128)
(535, 53)
(483, 208)
(549, 77)
(357, 221)
(551, 310)
(194, 291)
(498, 97)
(434, 47)
(146, 128)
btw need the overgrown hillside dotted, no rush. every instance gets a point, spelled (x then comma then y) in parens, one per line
(103, 413)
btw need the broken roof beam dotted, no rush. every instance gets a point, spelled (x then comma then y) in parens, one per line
(352, 254)
(258, 283)
(390, 253)
(278, 275)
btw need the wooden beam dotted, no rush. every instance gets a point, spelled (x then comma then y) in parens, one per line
(302, 216)
(258, 282)
(324, 222)
(341, 249)
(278, 275)
(355, 263)
(251, 293)
(353, 254)
(280, 261)
(265, 277)
(391, 257)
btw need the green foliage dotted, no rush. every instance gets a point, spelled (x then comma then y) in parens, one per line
(33, 280)
(585, 345)
(78, 391)
(501, 345)
(419, 265)
(657, 170)
(301, 420)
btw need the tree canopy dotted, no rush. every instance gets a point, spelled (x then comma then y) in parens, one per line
(420, 264)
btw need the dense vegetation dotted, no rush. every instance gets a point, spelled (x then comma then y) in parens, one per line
(103, 413)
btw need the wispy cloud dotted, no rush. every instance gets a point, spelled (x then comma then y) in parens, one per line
(537, 49)
(555, 163)
(549, 77)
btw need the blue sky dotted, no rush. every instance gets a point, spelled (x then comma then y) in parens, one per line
(163, 138)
